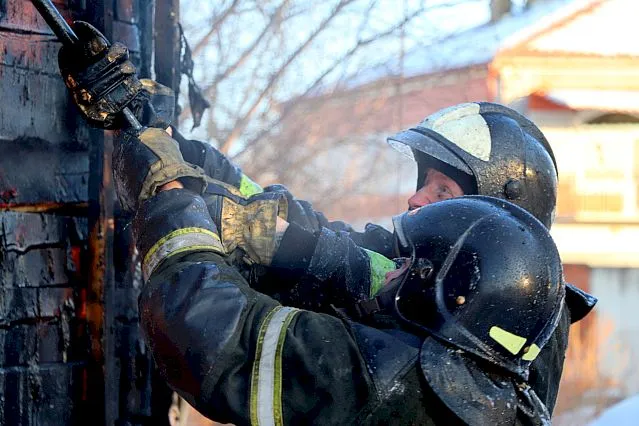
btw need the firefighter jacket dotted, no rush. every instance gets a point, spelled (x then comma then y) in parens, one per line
(238, 356)
(337, 257)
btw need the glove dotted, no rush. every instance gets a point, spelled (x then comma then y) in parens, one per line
(247, 224)
(144, 163)
(103, 81)
(155, 105)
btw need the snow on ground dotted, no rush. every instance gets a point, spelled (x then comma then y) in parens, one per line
(624, 413)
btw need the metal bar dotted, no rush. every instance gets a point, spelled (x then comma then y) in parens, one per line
(56, 22)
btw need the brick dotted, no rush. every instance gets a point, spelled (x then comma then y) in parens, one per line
(41, 395)
(39, 107)
(19, 304)
(25, 344)
(21, 231)
(25, 231)
(19, 50)
(22, 15)
(38, 267)
(52, 301)
(48, 173)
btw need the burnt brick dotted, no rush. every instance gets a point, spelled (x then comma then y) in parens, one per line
(20, 51)
(39, 107)
(19, 304)
(24, 344)
(38, 267)
(41, 395)
(23, 16)
(22, 231)
(53, 300)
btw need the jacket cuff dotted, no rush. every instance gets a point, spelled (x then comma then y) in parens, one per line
(173, 222)
(296, 249)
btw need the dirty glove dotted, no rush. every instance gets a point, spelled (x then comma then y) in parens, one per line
(248, 224)
(144, 163)
(103, 81)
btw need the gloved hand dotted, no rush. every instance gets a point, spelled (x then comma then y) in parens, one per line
(103, 81)
(249, 224)
(144, 163)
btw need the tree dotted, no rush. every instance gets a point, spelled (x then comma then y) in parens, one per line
(263, 63)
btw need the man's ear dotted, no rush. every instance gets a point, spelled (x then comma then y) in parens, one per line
(174, 410)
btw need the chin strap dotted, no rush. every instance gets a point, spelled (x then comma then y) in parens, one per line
(529, 403)
(384, 301)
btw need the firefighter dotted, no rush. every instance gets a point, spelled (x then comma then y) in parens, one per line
(458, 328)
(472, 148)
(499, 129)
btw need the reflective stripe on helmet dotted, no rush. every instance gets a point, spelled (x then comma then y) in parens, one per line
(463, 126)
(266, 378)
(379, 265)
(514, 343)
(531, 352)
(180, 241)
(508, 340)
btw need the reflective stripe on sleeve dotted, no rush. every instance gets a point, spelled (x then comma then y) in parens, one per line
(266, 378)
(380, 265)
(180, 241)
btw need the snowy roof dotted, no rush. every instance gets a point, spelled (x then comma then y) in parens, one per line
(624, 413)
(611, 30)
(600, 100)
(479, 45)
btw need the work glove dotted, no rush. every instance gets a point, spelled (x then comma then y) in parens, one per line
(142, 164)
(103, 81)
(248, 224)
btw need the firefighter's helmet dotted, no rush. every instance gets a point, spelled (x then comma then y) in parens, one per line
(489, 149)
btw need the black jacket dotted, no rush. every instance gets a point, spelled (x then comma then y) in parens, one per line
(239, 356)
(344, 262)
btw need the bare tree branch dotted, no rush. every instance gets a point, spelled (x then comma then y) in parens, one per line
(275, 18)
(215, 27)
(243, 121)
(252, 52)
(318, 80)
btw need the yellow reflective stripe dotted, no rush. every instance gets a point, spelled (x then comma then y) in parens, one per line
(277, 390)
(531, 353)
(256, 365)
(180, 241)
(175, 233)
(248, 187)
(266, 378)
(508, 340)
(380, 265)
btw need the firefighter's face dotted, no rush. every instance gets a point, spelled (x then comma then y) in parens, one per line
(437, 187)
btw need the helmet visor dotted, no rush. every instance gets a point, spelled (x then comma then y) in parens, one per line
(427, 142)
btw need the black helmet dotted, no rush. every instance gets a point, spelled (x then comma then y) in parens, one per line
(485, 288)
(488, 149)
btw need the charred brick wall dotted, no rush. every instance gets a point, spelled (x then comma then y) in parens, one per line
(70, 350)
